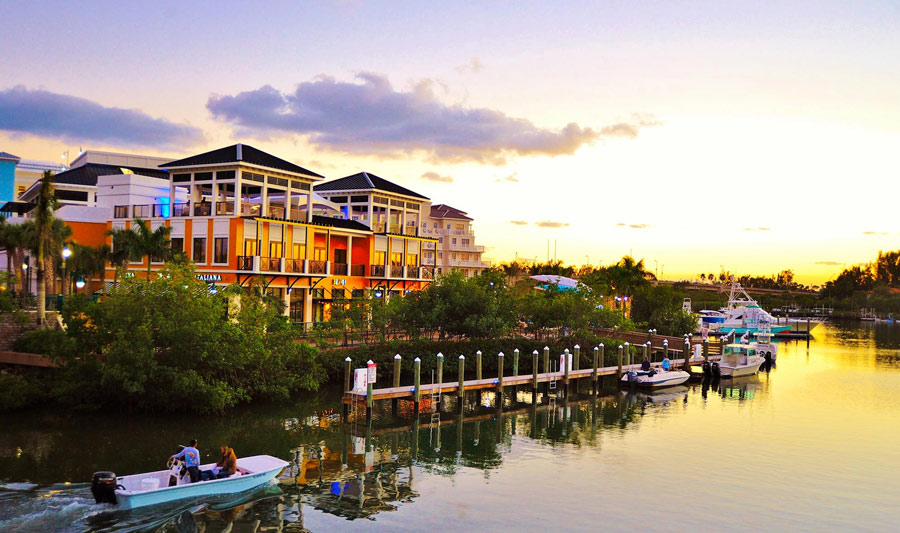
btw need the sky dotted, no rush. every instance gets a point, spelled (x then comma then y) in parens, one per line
(746, 136)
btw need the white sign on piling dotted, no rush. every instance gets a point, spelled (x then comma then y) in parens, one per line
(371, 367)
(360, 381)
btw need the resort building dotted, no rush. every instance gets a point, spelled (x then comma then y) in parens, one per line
(17, 174)
(455, 249)
(242, 214)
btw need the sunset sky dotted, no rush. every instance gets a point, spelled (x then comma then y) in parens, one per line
(695, 135)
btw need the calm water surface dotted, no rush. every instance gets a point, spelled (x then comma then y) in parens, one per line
(810, 445)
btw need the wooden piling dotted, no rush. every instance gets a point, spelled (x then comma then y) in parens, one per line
(417, 384)
(594, 370)
(500, 380)
(706, 349)
(565, 361)
(515, 372)
(478, 364)
(619, 370)
(666, 351)
(370, 401)
(345, 412)
(534, 374)
(687, 354)
(546, 370)
(460, 395)
(576, 358)
(440, 380)
(396, 380)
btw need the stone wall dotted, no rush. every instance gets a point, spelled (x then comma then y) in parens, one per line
(11, 326)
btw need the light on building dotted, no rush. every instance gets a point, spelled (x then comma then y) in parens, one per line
(79, 284)
(66, 253)
(24, 266)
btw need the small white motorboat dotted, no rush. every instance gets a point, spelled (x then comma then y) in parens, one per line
(151, 488)
(740, 360)
(654, 378)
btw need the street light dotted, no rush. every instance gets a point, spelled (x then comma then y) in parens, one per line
(66, 253)
(79, 284)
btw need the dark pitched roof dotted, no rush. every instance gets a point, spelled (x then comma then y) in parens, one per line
(319, 220)
(366, 181)
(87, 174)
(240, 152)
(445, 211)
(8, 156)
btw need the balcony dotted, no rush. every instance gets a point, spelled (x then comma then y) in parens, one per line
(376, 271)
(270, 264)
(426, 272)
(318, 267)
(397, 271)
(357, 270)
(339, 269)
(276, 211)
(250, 210)
(161, 210)
(225, 208)
(245, 263)
(141, 211)
(395, 228)
(294, 266)
(203, 209)
(411, 230)
(182, 209)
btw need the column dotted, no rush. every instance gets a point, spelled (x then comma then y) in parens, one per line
(349, 253)
(307, 306)
(287, 302)
(309, 204)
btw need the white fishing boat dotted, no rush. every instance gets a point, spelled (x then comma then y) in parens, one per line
(654, 378)
(151, 488)
(740, 360)
(765, 345)
(743, 314)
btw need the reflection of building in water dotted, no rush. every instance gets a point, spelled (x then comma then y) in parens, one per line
(355, 484)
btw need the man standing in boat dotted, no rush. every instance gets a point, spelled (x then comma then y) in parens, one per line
(191, 457)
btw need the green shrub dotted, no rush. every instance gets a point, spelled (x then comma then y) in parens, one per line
(17, 391)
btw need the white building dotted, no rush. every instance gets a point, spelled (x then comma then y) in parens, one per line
(456, 248)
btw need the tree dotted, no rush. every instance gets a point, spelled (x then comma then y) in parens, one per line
(13, 239)
(45, 204)
(86, 261)
(140, 242)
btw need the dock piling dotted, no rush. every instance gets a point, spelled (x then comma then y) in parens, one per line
(500, 380)
(619, 370)
(566, 362)
(534, 373)
(706, 349)
(460, 395)
(478, 371)
(417, 384)
(347, 372)
(546, 370)
(396, 376)
(370, 400)
(576, 358)
(687, 354)
(594, 370)
(515, 372)
(440, 380)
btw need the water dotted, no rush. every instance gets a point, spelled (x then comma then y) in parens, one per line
(810, 445)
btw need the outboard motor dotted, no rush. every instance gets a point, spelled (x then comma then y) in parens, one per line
(103, 486)
(715, 371)
(632, 376)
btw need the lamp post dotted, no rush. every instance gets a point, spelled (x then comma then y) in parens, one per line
(66, 254)
(26, 285)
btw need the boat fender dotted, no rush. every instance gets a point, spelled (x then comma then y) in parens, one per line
(103, 487)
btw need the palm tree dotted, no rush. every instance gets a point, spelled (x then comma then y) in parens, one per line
(86, 261)
(140, 241)
(43, 221)
(13, 238)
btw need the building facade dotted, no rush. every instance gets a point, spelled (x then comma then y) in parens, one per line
(455, 249)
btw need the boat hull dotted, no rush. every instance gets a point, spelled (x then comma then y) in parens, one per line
(658, 381)
(131, 499)
(749, 369)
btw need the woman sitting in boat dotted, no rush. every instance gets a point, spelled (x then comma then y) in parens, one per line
(227, 466)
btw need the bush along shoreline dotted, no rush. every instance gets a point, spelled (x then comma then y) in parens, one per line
(168, 344)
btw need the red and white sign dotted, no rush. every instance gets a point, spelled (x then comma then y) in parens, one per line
(359, 379)
(371, 367)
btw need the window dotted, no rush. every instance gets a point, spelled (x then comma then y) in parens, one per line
(181, 177)
(379, 200)
(275, 249)
(20, 190)
(303, 186)
(411, 205)
(337, 294)
(299, 251)
(278, 181)
(412, 260)
(249, 246)
(359, 199)
(317, 293)
(379, 258)
(225, 175)
(339, 199)
(220, 250)
(203, 176)
(177, 244)
(199, 255)
(320, 254)
(397, 203)
(250, 176)
(465, 242)
(120, 211)
(357, 293)
(453, 241)
(396, 258)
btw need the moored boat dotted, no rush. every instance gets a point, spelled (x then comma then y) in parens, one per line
(151, 488)
(655, 379)
(740, 360)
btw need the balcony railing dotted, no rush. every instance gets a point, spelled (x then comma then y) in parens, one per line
(161, 210)
(376, 271)
(276, 211)
(426, 273)
(396, 271)
(294, 266)
(357, 270)
(378, 226)
(394, 228)
(225, 208)
(181, 209)
(411, 230)
(245, 262)
(141, 211)
(270, 264)
(339, 269)
(202, 209)
(248, 209)
(317, 267)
